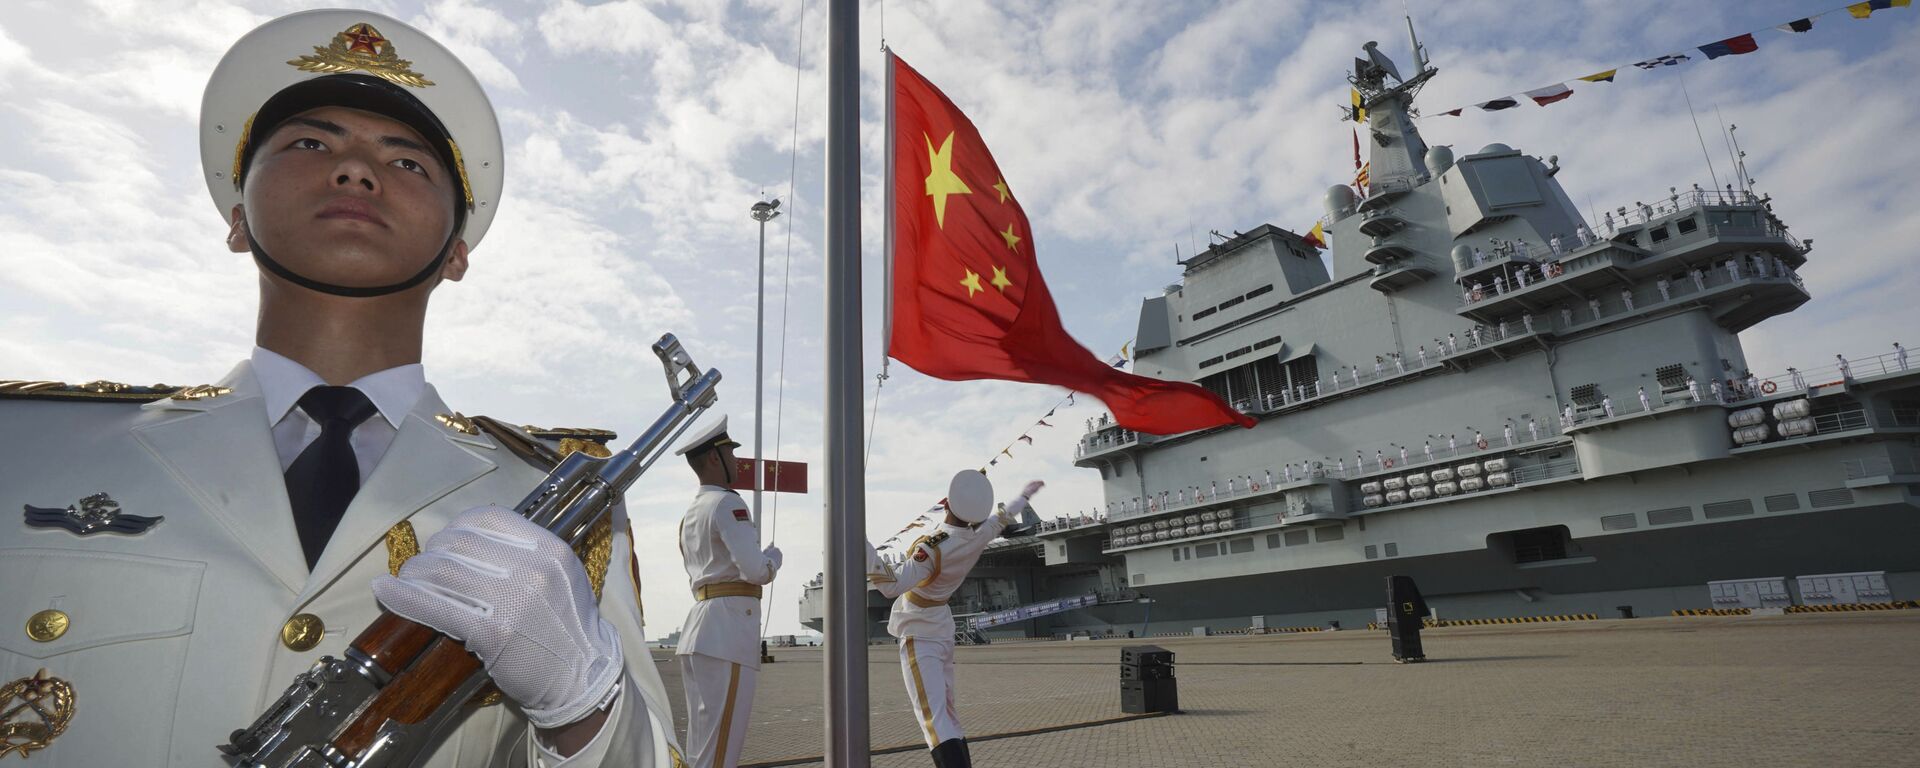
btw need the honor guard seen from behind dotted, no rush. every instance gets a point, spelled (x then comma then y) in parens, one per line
(720, 643)
(931, 572)
(187, 552)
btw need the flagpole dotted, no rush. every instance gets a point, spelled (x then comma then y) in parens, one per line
(847, 741)
(886, 268)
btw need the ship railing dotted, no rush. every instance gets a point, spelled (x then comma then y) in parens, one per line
(1879, 467)
(1671, 203)
(1796, 380)
(1238, 486)
(1533, 473)
(1105, 437)
(1082, 520)
(1839, 421)
(1602, 305)
(1903, 417)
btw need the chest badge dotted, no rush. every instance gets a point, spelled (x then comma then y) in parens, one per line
(98, 513)
(33, 712)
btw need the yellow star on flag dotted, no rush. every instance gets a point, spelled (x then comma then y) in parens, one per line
(972, 282)
(941, 181)
(1011, 238)
(1001, 186)
(1000, 280)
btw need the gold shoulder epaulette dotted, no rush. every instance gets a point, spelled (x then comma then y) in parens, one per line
(104, 391)
(544, 448)
(566, 440)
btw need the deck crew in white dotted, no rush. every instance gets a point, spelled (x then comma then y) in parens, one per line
(720, 644)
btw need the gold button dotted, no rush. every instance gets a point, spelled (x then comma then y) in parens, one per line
(302, 632)
(48, 625)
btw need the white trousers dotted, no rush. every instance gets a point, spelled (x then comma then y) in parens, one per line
(719, 701)
(927, 664)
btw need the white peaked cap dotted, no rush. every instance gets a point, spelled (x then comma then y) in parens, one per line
(394, 58)
(970, 496)
(714, 436)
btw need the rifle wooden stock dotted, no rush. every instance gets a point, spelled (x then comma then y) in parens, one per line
(428, 668)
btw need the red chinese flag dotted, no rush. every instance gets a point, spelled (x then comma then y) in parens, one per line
(968, 298)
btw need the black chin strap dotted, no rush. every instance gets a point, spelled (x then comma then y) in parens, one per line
(267, 263)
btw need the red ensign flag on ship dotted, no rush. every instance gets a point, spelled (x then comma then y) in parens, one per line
(968, 298)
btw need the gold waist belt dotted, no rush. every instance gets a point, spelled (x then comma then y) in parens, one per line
(923, 601)
(727, 589)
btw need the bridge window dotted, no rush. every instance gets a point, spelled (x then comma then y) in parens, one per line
(1688, 225)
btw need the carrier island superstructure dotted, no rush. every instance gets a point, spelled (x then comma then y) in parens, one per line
(1528, 411)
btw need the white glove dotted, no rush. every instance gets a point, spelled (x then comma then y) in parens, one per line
(520, 600)
(773, 556)
(1011, 513)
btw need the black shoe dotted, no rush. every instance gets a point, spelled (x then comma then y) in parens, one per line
(952, 753)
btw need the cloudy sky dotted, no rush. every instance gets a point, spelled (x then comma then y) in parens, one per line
(639, 133)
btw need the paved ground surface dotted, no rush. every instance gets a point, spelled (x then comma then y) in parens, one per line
(1802, 690)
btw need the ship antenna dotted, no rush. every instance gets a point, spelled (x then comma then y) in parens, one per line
(1711, 173)
(1419, 53)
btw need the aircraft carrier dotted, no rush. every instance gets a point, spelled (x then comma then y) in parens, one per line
(1530, 411)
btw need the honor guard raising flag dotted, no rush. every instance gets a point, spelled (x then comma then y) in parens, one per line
(720, 643)
(187, 552)
(932, 571)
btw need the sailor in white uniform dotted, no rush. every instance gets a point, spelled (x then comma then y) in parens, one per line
(932, 571)
(719, 648)
(199, 547)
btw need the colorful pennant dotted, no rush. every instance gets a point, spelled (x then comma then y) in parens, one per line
(1669, 60)
(1550, 94)
(1732, 46)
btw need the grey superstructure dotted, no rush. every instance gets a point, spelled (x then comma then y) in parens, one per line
(1530, 412)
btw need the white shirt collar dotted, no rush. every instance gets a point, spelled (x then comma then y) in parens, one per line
(393, 391)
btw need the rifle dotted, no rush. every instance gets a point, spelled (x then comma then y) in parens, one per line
(399, 685)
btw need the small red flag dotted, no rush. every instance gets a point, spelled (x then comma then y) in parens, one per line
(968, 298)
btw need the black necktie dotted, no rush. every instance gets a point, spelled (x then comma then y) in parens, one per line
(322, 481)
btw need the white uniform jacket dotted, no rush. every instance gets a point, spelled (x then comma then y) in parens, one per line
(173, 636)
(932, 571)
(720, 544)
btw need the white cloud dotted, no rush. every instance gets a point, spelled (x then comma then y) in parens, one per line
(638, 134)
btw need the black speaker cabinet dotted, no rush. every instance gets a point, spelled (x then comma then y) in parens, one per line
(1143, 696)
(1144, 655)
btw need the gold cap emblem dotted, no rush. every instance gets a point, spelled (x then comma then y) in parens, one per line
(33, 712)
(362, 48)
(302, 632)
(48, 625)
